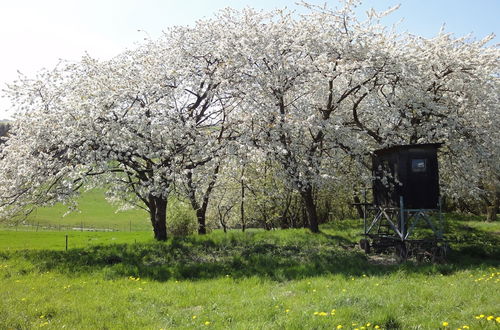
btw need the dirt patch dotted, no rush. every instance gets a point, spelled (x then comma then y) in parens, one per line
(382, 259)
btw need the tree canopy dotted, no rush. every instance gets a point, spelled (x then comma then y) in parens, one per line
(312, 94)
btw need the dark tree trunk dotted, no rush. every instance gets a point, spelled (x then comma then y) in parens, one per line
(158, 215)
(359, 209)
(242, 205)
(201, 210)
(201, 215)
(310, 205)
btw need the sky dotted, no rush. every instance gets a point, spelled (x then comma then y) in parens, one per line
(36, 34)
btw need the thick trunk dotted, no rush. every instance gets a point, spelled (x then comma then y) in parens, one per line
(202, 223)
(310, 205)
(158, 215)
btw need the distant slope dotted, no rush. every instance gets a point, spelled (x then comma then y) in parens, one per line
(95, 212)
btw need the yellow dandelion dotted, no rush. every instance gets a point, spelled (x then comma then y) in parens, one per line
(322, 314)
(314, 290)
(498, 319)
(445, 324)
(315, 313)
(368, 324)
(465, 327)
(207, 323)
(354, 324)
(339, 326)
(23, 299)
(491, 317)
(377, 327)
(42, 316)
(287, 311)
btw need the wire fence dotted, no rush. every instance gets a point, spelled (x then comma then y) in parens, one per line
(82, 227)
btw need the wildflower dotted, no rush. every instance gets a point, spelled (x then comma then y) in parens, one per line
(322, 314)
(465, 327)
(42, 316)
(207, 322)
(315, 313)
(498, 319)
(479, 317)
(376, 327)
(368, 324)
(44, 324)
(23, 299)
(339, 326)
(445, 324)
(287, 310)
(491, 317)
(194, 316)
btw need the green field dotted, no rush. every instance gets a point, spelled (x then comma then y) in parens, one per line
(286, 279)
(93, 213)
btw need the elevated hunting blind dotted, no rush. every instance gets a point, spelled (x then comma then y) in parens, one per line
(405, 193)
(407, 171)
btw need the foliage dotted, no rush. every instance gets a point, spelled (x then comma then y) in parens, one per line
(307, 97)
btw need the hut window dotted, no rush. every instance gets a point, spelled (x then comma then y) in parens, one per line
(418, 165)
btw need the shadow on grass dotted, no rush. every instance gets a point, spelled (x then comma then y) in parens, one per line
(281, 256)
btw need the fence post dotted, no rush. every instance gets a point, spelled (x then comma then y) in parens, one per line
(66, 242)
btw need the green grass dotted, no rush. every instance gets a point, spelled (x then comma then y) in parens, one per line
(94, 212)
(49, 240)
(285, 279)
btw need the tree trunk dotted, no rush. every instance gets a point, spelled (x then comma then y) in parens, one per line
(201, 210)
(312, 215)
(201, 215)
(242, 205)
(158, 215)
(357, 205)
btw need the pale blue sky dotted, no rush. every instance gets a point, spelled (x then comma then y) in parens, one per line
(35, 34)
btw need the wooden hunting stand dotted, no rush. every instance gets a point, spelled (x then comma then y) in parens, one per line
(405, 195)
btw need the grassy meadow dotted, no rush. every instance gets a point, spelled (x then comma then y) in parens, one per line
(283, 279)
(93, 213)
